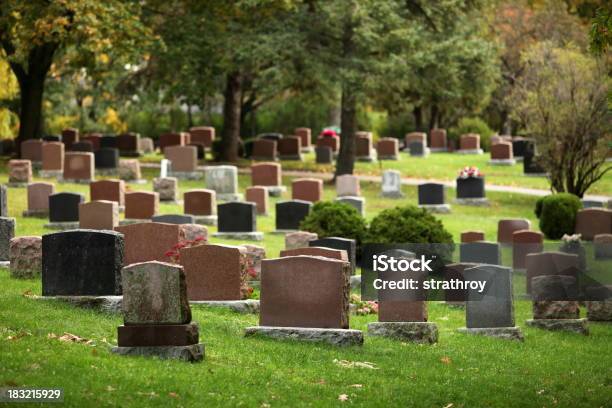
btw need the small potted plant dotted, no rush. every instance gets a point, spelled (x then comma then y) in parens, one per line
(470, 183)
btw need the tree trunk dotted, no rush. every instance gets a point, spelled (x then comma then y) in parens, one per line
(30, 112)
(189, 115)
(506, 123)
(434, 117)
(348, 127)
(230, 136)
(417, 112)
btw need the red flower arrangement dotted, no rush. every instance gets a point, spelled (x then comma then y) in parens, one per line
(174, 253)
(470, 171)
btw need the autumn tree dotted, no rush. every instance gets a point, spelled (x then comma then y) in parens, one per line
(561, 100)
(36, 34)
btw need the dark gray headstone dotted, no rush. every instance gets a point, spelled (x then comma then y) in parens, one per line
(289, 214)
(554, 287)
(493, 307)
(480, 252)
(107, 158)
(128, 143)
(82, 263)
(531, 163)
(416, 148)
(82, 146)
(271, 136)
(7, 232)
(324, 154)
(431, 194)
(52, 138)
(592, 204)
(237, 217)
(64, 207)
(519, 147)
(108, 141)
(471, 187)
(3, 201)
(174, 219)
(200, 149)
(346, 244)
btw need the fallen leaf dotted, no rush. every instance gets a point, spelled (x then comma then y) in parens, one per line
(449, 405)
(34, 366)
(110, 388)
(52, 336)
(73, 338)
(353, 364)
(540, 392)
(356, 385)
(28, 293)
(173, 395)
(445, 360)
(343, 397)
(321, 381)
(265, 405)
(19, 335)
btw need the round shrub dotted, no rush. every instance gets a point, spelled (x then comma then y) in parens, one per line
(335, 219)
(415, 226)
(557, 214)
(472, 125)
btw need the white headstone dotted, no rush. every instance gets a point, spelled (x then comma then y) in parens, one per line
(392, 184)
(165, 168)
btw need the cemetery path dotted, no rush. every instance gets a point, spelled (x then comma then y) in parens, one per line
(411, 181)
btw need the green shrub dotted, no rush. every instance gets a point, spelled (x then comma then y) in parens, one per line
(472, 125)
(557, 214)
(335, 219)
(416, 226)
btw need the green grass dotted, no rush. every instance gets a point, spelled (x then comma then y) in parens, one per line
(438, 166)
(548, 369)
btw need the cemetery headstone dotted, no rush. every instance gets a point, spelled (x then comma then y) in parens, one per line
(38, 199)
(172, 139)
(129, 170)
(363, 146)
(78, 167)
(264, 149)
(99, 215)
(94, 139)
(167, 188)
(469, 144)
(289, 214)
(305, 136)
(332, 142)
(202, 204)
(525, 242)
(178, 219)
(7, 232)
(108, 141)
(316, 251)
(387, 148)
(290, 148)
(550, 263)
(82, 263)
(307, 189)
(224, 181)
(64, 210)
(347, 185)
(82, 146)
(31, 149)
(438, 140)
(20, 173)
(472, 236)
(184, 162)
(480, 252)
(358, 203)
(238, 220)
(603, 246)
(204, 135)
(432, 197)
(501, 154)
(146, 145)
(3, 201)
(52, 159)
(108, 190)
(505, 229)
(471, 190)
(391, 184)
(268, 175)
(593, 221)
(324, 155)
(129, 144)
(299, 239)
(70, 136)
(141, 205)
(344, 244)
(418, 149)
(259, 196)
(25, 255)
(156, 314)
(107, 160)
(139, 247)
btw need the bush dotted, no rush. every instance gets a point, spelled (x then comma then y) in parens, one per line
(472, 125)
(557, 214)
(335, 219)
(414, 226)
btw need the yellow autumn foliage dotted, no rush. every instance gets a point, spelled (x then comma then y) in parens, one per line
(111, 119)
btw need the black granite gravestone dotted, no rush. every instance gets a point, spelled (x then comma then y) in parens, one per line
(200, 149)
(471, 187)
(82, 263)
(107, 158)
(64, 207)
(174, 219)
(82, 146)
(324, 154)
(431, 194)
(237, 217)
(531, 163)
(128, 144)
(416, 148)
(271, 136)
(289, 214)
(52, 138)
(346, 244)
(108, 141)
(480, 252)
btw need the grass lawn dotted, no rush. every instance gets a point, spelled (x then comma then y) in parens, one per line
(439, 166)
(548, 369)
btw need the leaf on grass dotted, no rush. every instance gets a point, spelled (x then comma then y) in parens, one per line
(321, 382)
(451, 405)
(28, 293)
(343, 397)
(109, 388)
(73, 338)
(356, 385)
(19, 335)
(540, 392)
(148, 394)
(445, 360)
(173, 395)
(356, 364)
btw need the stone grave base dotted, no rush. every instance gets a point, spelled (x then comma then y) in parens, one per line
(35, 213)
(62, 226)
(307, 149)
(476, 202)
(519, 159)
(438, 149)
(50, 173)
(205, 219)
(388, 157)
(108, 304)
(247, 306)
(437, 208)
(186, 175)
(395, 194)
(414, 332)
(570, 325)
(136, 181)
(599, 310)
(107, 172)
(336, 337)
(5, 264)
(75, 181)
(191, 353)
(502, 162)
(507, 333)
(367, 159)
(15, 184)
(283, 231)
(130, 221)
(356, 202)
(245, 236)
(230, 197)
(275, 191)
(293, 157)
(469, 151)
(173, 202)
